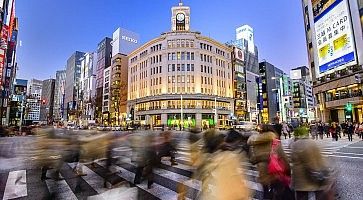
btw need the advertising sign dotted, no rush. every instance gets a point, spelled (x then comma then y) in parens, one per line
(334, 38)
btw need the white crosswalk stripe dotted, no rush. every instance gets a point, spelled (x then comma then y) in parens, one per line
(166, 177)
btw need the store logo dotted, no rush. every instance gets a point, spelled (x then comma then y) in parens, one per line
(129, 39)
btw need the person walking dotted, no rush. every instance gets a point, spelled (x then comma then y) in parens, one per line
(285, 129)
(262, 147)
(321, 130)
(350, 130)
(222, 170)
(360, 131)
(310, 174)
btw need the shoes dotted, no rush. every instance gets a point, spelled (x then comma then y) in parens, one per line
(173, 163)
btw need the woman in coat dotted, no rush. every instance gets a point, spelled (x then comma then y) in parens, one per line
(307, 160)
(260, 155)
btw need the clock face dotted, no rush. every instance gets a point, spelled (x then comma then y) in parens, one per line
(180, 17)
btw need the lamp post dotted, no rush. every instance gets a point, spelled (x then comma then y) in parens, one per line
(181, 112)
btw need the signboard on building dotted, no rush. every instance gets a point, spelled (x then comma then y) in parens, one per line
(334, 37)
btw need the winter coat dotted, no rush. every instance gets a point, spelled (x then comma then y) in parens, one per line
(223, 177)
(260, 154)
(306, 156)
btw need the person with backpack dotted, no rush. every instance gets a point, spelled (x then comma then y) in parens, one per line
(310, 170)
(272, 164)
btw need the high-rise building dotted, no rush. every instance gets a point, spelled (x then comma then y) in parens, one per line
(18, 102)
(72, 87)
(9, 27)
(304, 107)
(104, 51)
(181, 78)
(239, 85)
(245, 41)
(270, 94)
(123, 43)
(334, 40)
(33, 101)
(60, 82)
(106, 102)
(87, 82)
(118, 94)
(47, 101)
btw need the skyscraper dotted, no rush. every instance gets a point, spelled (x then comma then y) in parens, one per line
(104, 50)
(47, 101)
(245, 41)
(33, 101)
(72, 87)
(270, 94)
(60, 81)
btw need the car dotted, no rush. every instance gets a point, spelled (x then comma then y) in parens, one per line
(245, 126)
(101, 128)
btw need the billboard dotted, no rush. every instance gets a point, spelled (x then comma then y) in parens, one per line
(124, 41)
(334, 36)
(246, 32)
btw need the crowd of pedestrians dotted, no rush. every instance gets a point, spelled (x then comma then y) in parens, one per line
(218, 163)
(336, 130)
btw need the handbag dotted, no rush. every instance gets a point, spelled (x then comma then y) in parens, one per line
(320, 176)
(276, 165)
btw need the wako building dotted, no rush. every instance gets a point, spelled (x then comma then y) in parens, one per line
(335, 47)
(181, 77)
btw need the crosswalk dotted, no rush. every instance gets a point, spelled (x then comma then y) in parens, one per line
(26, 183)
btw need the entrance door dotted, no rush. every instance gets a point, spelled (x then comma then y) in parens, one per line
(334, 117)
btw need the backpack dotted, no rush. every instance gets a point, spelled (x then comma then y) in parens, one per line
(276, 165)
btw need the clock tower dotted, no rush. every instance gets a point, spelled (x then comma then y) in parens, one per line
(180, 19)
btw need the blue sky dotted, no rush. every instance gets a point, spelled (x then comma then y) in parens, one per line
(51, 30)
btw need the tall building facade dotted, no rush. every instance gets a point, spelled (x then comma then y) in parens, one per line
(9, 27)
(123, 43)
(304, 106)
(239, 85)
(47, 101)
(18, 102)
(270, 94)
(181, 78)
(104, 50)
(334, 40)
(59, 92)
(33, 101)
(72, 87)
(87, 82)
(119, 86)
(245, 41)
(106, 101)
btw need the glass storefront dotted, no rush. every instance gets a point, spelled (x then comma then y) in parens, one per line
(174, 120)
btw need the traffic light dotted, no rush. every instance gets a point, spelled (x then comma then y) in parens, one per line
(349, 107)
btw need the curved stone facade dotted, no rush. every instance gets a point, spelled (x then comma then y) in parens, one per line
(181, 74)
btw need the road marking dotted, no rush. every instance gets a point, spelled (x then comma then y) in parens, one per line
(61, 189)
(92, 179)
(16, 185)
(338, 156)
(346, 153)
(354, 147)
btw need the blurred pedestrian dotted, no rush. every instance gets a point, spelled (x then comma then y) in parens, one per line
(265, 148)
(167, 147)
(285, 129)
(350, 130)
(222, 170)
(310, 172)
